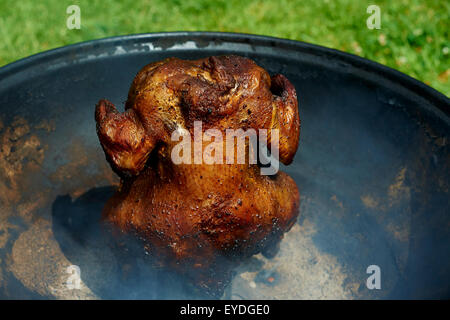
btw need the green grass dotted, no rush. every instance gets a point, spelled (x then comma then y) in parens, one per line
(414, 35)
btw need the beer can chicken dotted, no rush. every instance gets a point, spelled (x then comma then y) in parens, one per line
(200, 219)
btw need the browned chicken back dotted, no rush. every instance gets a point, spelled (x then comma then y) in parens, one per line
(200, 218)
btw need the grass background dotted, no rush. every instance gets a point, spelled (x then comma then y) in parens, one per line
(414, 34)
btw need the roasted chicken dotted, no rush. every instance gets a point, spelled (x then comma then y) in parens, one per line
(200, 219)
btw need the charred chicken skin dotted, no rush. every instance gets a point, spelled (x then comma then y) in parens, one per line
(200, 219)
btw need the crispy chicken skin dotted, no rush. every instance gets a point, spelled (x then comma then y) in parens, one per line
(200, 219)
